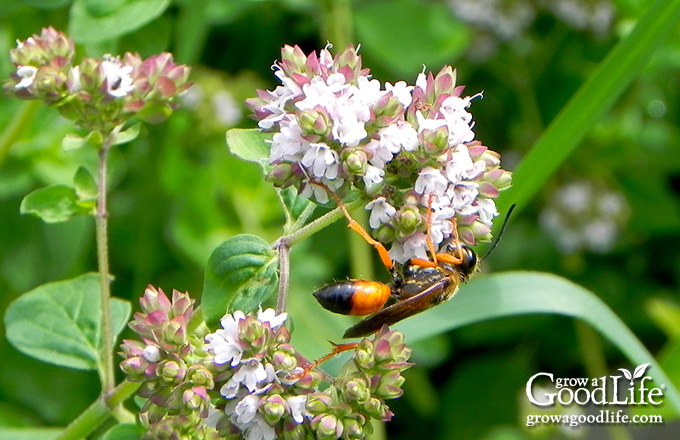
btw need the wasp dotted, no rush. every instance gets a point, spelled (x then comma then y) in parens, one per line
(416, 286)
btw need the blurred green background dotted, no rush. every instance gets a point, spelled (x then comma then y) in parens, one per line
(608, 219)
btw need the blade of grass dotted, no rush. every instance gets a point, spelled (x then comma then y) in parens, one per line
(590, 103)
(525, 293)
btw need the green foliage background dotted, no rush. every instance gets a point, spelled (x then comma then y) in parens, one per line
(177, 193)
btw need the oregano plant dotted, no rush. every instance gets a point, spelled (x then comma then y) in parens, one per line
(331, 140)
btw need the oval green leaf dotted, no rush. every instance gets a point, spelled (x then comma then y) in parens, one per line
(249, 144)
(85, 186)
(59, 323)
(90, 25)
(241, 274)
(525, 293)
(53, 204)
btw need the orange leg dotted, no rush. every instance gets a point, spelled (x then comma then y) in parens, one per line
(337, 349)
(436, 257)
(384, 256)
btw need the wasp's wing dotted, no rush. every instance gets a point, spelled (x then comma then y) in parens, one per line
(429, 297)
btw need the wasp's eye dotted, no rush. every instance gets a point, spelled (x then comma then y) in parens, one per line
(469, 258)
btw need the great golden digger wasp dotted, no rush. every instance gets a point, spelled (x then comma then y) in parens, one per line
(416, 285)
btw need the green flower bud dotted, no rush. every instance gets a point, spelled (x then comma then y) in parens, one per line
(356, 389)
(434, 141)
(273, 408)
(315, 122)
(352, 429)
(408, 219)
(355, 162)
(134, 367)
(363, 354)
(171, 371)
(200, 376)
(328, 427)
(318, 403)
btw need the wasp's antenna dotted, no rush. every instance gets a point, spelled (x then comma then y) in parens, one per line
(500, 233)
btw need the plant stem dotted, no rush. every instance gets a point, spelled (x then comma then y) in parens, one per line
(101, 221)
(284, 244)
(284, 272)
(318, 224)
(98, 412)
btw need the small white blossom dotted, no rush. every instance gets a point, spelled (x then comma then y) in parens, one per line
(250, 373)
(349, 122)
(430, 181)
(373, 176)
(224, 343)
(269, 315)
(322, 161)
(298, 408)
(399, 136)
(402, 91)
(151, 353)
(461, 167)
(74, 84)
(246, 409)
(381, 212)
(27, 74)
(317, 191)
(487, 211)
(288, 144)
(118, 76)
(259, 429)
(414, 246)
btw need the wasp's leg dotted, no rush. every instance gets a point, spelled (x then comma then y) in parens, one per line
(447, 258)
(337, 349)
(384, 256)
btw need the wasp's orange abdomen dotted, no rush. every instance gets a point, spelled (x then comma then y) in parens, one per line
(353, 297)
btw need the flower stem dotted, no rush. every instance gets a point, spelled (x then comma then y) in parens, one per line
(98, 412)
(320, 223)
(101, 221)
(284, 244)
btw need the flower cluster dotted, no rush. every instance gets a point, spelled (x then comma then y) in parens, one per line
(409, 149)
(246, 380)
(167, 361)
(585, 215)
(98, 93)
(266, 393)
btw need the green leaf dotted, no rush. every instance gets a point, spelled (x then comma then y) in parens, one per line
(73, 141)
(590, 103)
(526, 293)
(30, 433)
(85, 186)
(127, 135)
(383, 29)
(59, 323)
(53, 204)
(90, 22)
(241, 274)
(126, 431)
(249, 144)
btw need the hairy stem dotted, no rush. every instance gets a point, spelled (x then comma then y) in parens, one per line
(101, 221)
(98, 413)
(284, 244)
